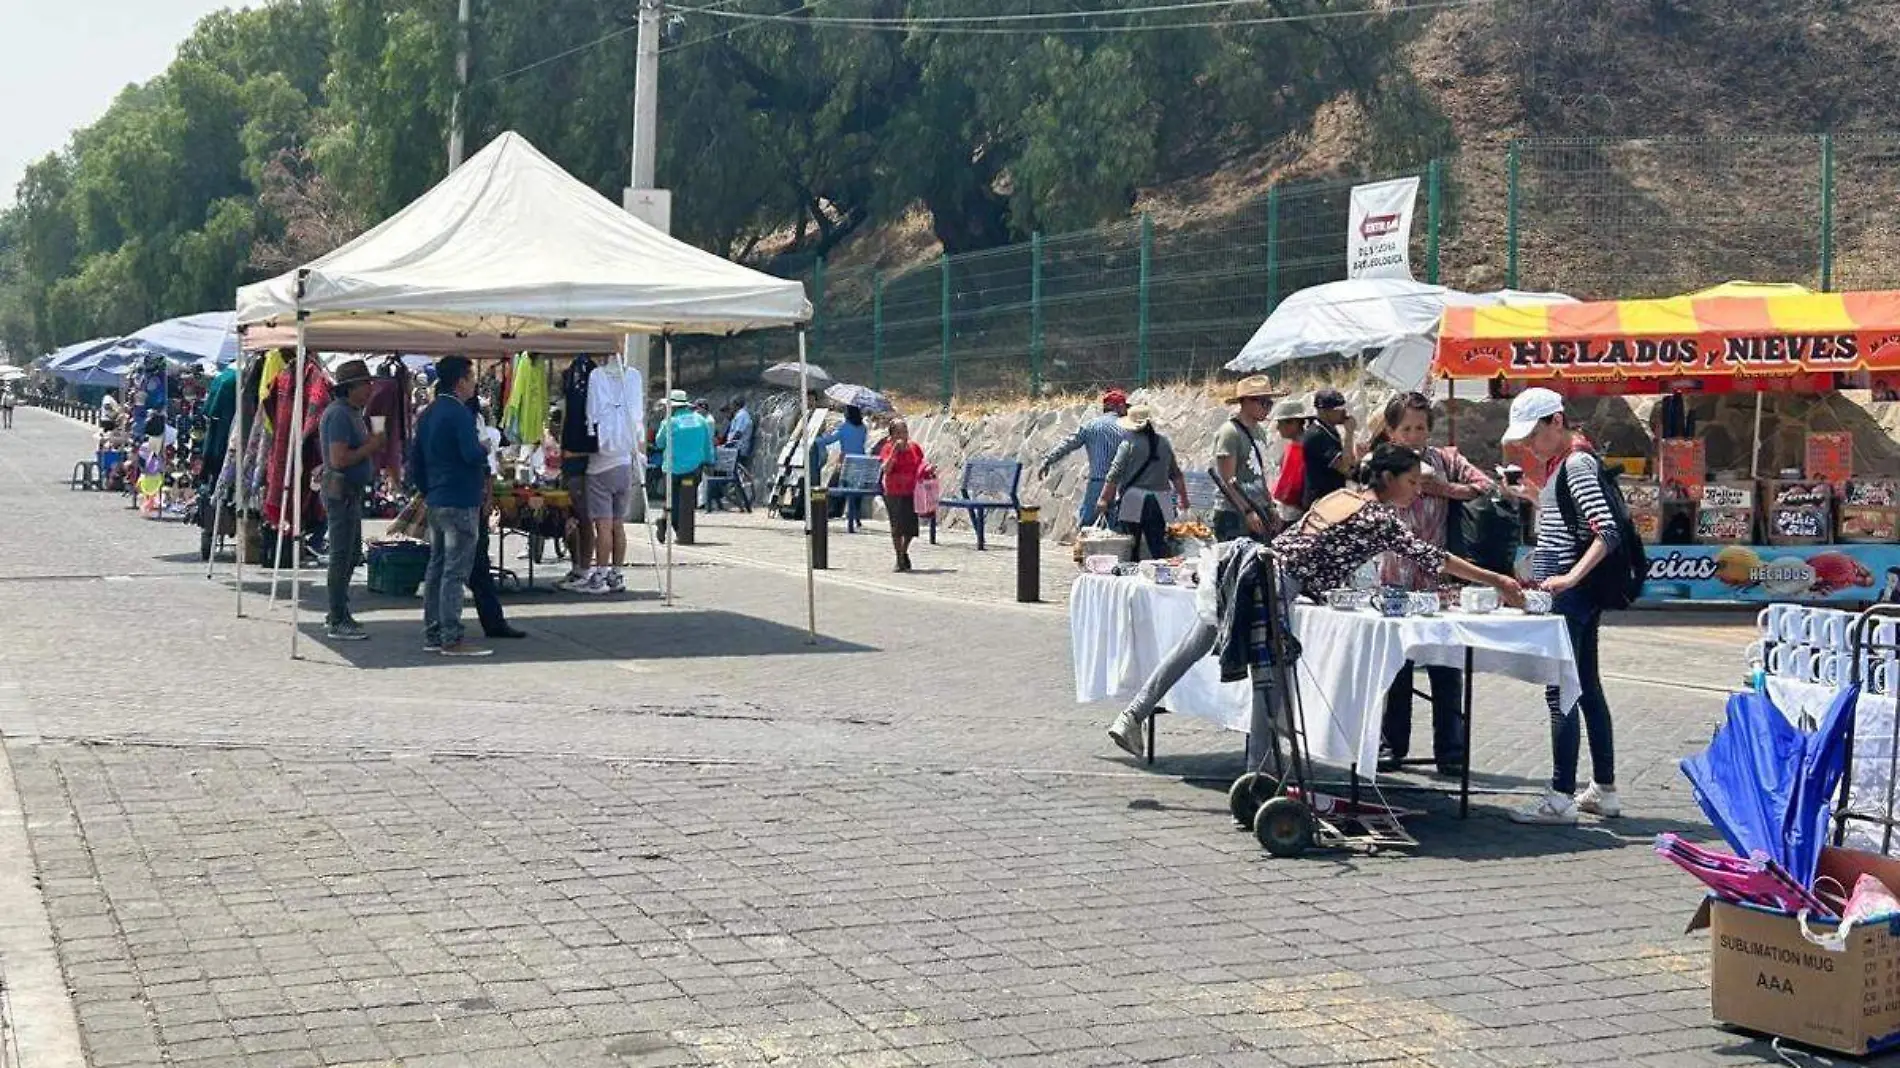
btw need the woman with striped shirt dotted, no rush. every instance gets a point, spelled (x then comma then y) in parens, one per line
(1568, 549)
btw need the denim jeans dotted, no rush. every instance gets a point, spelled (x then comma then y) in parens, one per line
(1584, 621)
(453, 535)
(1448, 713)
(1086, 514)
(344, 534)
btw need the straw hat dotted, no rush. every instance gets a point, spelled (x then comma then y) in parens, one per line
(1138, 417)
(1253, 386)
(351, 373)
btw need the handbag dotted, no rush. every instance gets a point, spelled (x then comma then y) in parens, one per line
(928, 492)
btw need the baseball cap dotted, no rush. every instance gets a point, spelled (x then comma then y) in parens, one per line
(1328, 399)
(1531, 407)
(1114, 396)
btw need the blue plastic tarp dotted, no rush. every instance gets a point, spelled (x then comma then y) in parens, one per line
(190, 339)
(77, 363)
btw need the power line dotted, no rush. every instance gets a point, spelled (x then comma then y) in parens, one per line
(1043, 16)
(942, 25)
(741, 28)
(576, 50)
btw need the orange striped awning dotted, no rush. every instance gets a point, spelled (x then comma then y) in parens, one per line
(1740, 330)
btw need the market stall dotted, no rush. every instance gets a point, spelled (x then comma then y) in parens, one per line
(1819, 530)
(509, 253)
(1121, 626)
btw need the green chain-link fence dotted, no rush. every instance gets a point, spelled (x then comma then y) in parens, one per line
(1174, 297)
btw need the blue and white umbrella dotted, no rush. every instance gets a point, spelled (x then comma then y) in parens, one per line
(863, 398)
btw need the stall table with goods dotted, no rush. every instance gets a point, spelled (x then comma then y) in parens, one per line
(1124, 622)
(535, 512)
(1821, 531)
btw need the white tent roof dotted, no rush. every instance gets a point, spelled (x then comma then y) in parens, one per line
(1397, 316)
(512, 252)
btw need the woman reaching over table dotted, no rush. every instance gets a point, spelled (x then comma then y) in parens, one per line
(1339, 533)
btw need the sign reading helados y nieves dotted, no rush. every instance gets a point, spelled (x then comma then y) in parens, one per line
(1379, 229)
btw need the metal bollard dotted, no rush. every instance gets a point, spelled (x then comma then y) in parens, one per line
(1029, 555)
(685, 508)
(818, 523)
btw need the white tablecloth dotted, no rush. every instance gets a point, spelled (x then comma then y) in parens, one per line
(1121, 628)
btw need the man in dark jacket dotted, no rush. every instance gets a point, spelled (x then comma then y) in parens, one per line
(450, 466)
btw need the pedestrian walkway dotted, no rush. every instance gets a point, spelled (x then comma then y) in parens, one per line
(669, 836)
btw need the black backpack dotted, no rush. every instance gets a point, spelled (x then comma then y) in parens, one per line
(1487, 531)
(1617, 582)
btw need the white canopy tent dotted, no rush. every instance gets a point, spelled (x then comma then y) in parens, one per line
(508, 253)
(1397, 317)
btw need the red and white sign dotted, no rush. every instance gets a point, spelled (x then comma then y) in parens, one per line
(1379, 229)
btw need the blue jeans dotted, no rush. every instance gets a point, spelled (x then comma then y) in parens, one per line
(1584, 620)
(453, 535)
(1091, 495)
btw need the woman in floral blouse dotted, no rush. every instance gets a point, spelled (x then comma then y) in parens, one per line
(1445, 477)
(1345, 529)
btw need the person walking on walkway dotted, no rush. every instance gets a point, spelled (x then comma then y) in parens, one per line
(1101, 436)
(450, 466)
(903, 467)
(6, 407)
(1144, 469)
(347, 443)
(1576, 532)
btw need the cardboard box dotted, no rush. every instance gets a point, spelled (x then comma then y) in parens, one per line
(1764, 976)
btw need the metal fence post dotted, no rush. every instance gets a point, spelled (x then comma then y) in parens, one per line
(877, 329)
(949, 379)
(1510, 216)
(1273, 248)
(1432, 203)
(1827, 212)
(1035, 314)
(1141, 310)
(818, 310)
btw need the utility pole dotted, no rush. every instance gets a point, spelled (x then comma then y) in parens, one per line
(457, 118)
(641, 200)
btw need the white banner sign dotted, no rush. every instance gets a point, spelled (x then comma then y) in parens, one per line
(1379, 229)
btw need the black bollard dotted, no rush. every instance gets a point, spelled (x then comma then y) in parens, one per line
(685, 508)
(1029, 555)
(818, 528)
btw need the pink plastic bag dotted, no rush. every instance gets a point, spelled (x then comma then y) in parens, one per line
(927, 494)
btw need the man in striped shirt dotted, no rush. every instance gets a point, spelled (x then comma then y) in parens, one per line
(1569, 547)
(1101, 436)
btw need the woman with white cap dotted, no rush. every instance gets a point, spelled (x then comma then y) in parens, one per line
(1143, 469)
(1576, 532)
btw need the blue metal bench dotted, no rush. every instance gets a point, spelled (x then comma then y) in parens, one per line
(859, 477)
(989, 484)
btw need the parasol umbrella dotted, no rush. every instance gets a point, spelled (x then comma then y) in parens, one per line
(1764, 782)
(795, 375)
(861, 397)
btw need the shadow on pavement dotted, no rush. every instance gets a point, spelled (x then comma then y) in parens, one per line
(659, 634)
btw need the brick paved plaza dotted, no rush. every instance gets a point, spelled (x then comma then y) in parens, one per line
(668, 836)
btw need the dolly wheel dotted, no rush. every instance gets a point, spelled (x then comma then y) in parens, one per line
(1284, 826)
(1248, 793)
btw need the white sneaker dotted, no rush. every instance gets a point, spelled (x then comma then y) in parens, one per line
(1126, 732)
(616, 584)
(572, 582)
(1553, 809)
(595, 586)
(1600, 800)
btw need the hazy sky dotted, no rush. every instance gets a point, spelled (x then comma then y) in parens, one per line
(66, 60)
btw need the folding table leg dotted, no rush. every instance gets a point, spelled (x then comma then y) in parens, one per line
(1464, 778)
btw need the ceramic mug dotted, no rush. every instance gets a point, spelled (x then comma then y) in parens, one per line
(1478, 599)
(1828, 629)
(1768, 622)
(1779, 659)
(1884, 636)
(1831, 667)
(1783, 623)
(1423, 604)
(1805, 664)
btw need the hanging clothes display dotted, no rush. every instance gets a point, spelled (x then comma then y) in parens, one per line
(616, 408)
(577, 435)
(316, 386)
(389, 399)
(525, 416)
(220, 412)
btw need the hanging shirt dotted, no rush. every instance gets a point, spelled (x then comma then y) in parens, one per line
(616, 398)
(526, 413)
(577, 434)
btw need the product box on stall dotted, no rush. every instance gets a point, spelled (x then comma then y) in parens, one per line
(1830, 456)
(1682, 468)
(1727, 514)
(1765, 976)
(1870, 512)
(1645, 501)
(1800, 512)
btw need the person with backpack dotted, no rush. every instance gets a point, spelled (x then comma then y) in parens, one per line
(1589, 559)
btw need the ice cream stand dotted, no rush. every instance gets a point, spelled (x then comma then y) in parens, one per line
(1820, 531)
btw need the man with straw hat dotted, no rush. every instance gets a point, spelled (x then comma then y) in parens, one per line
(1244, 508)
(347, 443)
